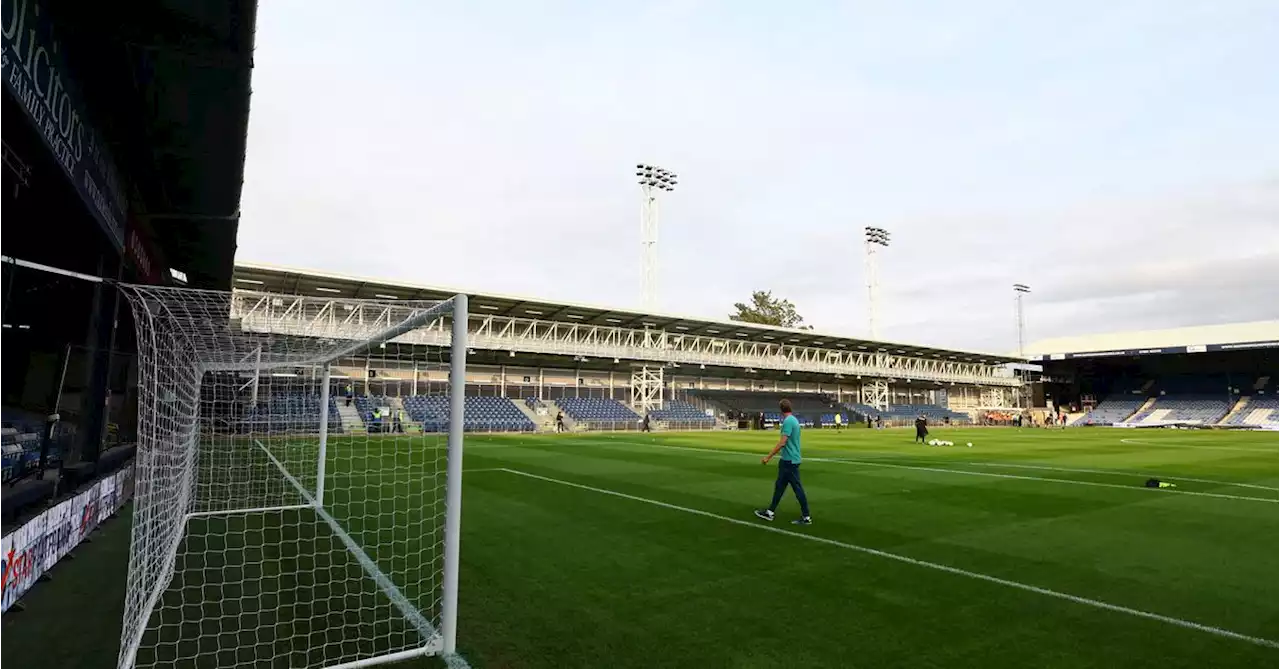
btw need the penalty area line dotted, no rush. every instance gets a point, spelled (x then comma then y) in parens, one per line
(1137, 613)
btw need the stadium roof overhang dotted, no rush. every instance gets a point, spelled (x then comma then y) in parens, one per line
(277, 279)
(1198, 339)
(168, 84)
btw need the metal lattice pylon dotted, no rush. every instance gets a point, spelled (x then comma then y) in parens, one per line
(876, 394)
(646, 388)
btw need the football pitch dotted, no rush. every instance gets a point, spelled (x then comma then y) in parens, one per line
(1033, 548)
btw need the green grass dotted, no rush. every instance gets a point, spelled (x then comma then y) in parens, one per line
(557, 575)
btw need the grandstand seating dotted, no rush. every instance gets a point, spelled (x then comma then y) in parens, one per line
(862, 410)
(1113, 409)
(365, 406)
(496, 414)
(291, 413)
(907, 412)
(1259, 411)
(21, 451)
(829, 418)
(750, 401)
(776, 417)
(1201, 408)
(675, 411)
(932, 412)
(596, 410)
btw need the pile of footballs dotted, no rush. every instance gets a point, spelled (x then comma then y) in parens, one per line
(940, 442)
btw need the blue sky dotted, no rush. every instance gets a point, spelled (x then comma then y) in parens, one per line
(1119, 157)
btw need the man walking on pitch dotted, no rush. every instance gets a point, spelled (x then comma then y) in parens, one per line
(922, 428)
(788, 467)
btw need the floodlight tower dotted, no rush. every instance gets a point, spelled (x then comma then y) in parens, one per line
(1019, 290)
(652, 180)
(876, 237)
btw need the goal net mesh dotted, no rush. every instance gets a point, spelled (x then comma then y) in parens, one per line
(290, 505)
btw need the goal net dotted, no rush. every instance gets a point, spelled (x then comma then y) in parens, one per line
(298, 480)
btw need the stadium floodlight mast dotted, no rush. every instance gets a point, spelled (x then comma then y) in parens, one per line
(1020, 289)
(652, 180)
(875, 237)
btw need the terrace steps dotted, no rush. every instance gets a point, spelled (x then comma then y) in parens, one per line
(1235, 409)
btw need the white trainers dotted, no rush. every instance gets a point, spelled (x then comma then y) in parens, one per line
(764, 514)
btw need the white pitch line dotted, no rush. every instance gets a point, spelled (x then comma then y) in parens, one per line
(1139, 442)
(1171, 477)
(1179, 622)
(964, 472)
(1019, 477)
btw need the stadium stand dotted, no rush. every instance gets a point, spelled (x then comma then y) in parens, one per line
(594, 410)
(1113, 409)
(1258, 412)
(481, 414)
(683, 413)
(1200, 408)
(365, 406)
(21, 451)
(287, 412)
(932, 412)
(766, 402)
(861, 411)
(830, 418)
(898, 413)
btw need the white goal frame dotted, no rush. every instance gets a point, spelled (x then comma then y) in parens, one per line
(150, 581)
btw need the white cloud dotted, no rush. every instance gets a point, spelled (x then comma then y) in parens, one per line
(489, 145)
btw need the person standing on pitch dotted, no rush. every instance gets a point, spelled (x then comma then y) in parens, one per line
(788, 467)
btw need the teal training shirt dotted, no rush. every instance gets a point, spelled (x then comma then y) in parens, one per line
(791, 430)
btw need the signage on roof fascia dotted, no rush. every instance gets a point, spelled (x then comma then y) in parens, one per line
(36, 76)
(1197, 348)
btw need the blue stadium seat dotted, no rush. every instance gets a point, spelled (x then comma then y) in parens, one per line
(480, 414)
(932, 412)
(1113, 409)
(290, 413)
(1205, 409)
(676, 411)
(1261, 410)
(597, 410)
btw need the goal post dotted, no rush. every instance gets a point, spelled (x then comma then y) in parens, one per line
(282, 515)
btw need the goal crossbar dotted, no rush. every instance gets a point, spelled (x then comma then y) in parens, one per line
(414, 320)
